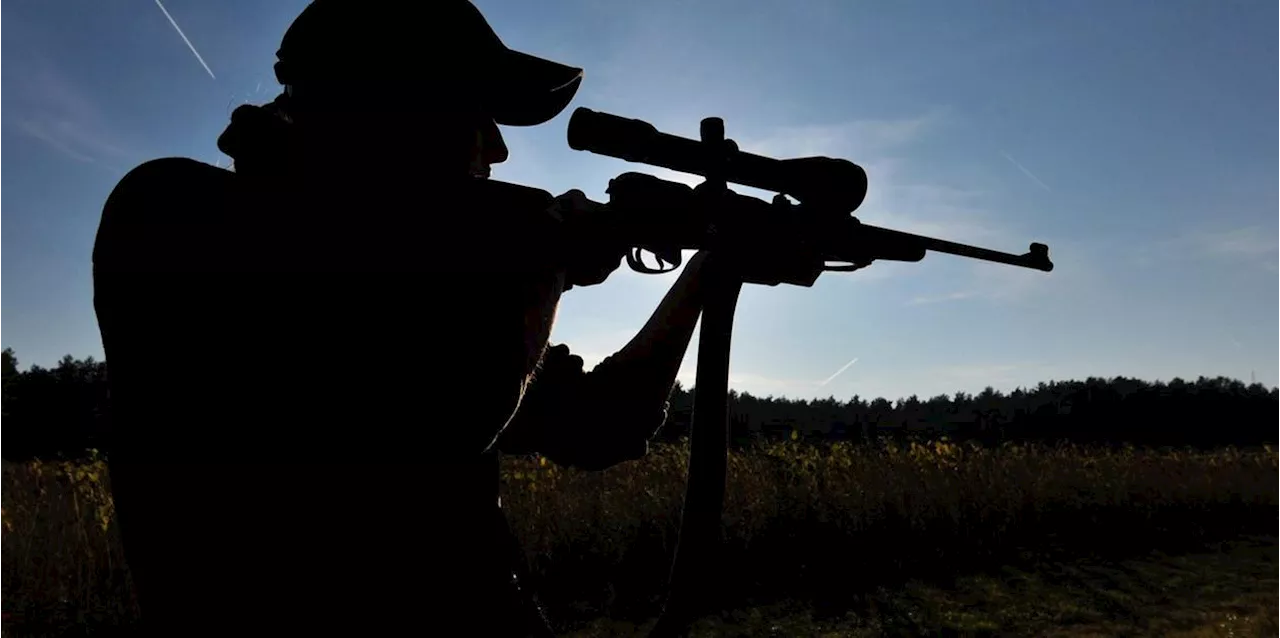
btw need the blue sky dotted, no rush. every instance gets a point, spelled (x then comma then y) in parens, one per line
(1134, 138)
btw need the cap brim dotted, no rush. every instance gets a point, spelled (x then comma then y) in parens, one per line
(531, 90)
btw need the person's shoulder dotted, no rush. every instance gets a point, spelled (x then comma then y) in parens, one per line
(165, 176)
(157, 197)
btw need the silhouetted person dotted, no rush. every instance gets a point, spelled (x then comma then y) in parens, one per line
(368, 311)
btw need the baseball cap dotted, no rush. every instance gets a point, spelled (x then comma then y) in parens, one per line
(426, 49)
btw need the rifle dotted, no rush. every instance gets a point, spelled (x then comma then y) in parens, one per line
(797, 241)
(769, 242)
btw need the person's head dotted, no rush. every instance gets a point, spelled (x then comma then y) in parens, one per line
(427, 79)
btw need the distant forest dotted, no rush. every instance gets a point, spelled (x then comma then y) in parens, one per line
(63, 411)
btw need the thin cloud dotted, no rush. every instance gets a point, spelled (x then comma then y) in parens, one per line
(984, 372)
(47, 106)
(837, 372)
(184, 39)
(954, 296)
(1252, 241)
(764, 385)
(1018, 165)
(37, 130)
(1253, 244)
(754, 383)
(849, 139)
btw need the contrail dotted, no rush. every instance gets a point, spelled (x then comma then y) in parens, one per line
(842, 369)
(184, 39)
(1015, 164)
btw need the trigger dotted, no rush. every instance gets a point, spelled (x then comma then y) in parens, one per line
(670, 257)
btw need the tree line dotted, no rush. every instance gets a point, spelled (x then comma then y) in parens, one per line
(64, 411)
(1207, 412)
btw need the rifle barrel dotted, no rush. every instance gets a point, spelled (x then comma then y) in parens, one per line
(1037, 256)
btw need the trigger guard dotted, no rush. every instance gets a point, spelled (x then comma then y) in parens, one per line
(637, 264)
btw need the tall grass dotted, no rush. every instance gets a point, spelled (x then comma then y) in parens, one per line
(63, 564)
(827, 521)
(819, 521)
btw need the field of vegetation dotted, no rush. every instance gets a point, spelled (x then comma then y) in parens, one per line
(829, 539)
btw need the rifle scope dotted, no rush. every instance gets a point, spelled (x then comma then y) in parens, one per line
(833, 184)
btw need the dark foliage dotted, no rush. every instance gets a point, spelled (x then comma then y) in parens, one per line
(1204, 413)
(64, 410)
(54, 412)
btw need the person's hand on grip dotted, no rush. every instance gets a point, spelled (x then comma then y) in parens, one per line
(591, 253)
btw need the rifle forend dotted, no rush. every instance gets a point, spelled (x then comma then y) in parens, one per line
(795, 242)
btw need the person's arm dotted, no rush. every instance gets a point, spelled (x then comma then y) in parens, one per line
(156, 284)
(594, 420)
